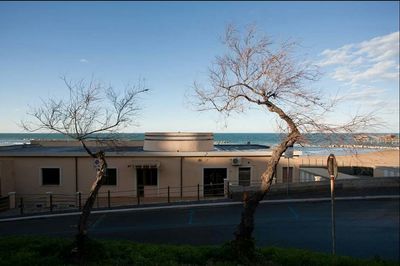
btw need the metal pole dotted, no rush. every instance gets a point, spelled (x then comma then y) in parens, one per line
(80, 200)
(333, 212)
(51, 202)
(108, 199)
(198, 192)
(21, 205)
(181, 177)
(168, 195)
(287, 178)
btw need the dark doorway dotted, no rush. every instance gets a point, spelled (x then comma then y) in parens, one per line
(244, 176)
(145, 177)
(214, 181)
(287, 176)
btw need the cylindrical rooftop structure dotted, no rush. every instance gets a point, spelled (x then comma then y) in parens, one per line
(178, 141)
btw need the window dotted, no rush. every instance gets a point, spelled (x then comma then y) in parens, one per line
(50, 176)
(110, 179)
(287, 176)
(147, 176)
(244, 176)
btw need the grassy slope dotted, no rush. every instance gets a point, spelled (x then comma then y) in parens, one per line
(53, 251)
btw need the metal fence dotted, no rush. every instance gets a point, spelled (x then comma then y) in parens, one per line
(4, 203)
(52, 202)
(363, 186)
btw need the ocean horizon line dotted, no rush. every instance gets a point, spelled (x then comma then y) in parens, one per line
(319, 143)
(214, 132)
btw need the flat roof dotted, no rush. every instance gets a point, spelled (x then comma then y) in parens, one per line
(240, 147)
(27, 150)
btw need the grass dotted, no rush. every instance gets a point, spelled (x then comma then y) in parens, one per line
(56, 251)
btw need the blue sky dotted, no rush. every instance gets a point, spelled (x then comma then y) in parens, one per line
(171, 44)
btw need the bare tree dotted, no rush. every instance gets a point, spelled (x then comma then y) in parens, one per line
(257, 72)
(90, 109)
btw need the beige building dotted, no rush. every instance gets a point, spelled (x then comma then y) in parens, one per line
(180, 164)
(181, 161)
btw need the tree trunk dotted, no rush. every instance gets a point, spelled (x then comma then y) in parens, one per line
(81, 237)
(245, 229)
(244, 232)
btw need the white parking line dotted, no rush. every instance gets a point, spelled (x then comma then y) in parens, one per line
(191, 217)
(293, 212)
(98, 221)
(196, 205)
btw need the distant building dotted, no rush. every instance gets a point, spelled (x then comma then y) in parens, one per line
(376, 139)
(362, 138)
(392, 139)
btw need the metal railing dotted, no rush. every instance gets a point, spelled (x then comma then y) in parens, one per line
(363, 186)
(4, 203)
(107, 198)
(52, 202)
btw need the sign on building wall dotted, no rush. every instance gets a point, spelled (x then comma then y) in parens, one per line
(289, 152)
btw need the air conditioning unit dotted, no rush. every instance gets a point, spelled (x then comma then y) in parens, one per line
(236, 161)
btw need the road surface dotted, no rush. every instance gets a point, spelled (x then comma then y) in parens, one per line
(364, 228)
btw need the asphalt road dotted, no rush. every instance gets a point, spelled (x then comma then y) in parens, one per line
(364, 228)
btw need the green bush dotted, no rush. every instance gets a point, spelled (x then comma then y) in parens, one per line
(54, 251)
(299, 257)
(32, 251)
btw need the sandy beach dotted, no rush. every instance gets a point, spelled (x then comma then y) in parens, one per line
(389, 158)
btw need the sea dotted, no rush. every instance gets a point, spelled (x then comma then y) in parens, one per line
(318, 144)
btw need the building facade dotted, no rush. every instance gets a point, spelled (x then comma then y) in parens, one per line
(180, 161)
(177, 164)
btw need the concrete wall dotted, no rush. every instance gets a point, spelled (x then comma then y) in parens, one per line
(168, 175)
(87, 175)
(384, 171)
(193, 168)
(178, 141)
(23, 174)
(7, 178)
(27, 173)
(294, 163)
(382, 162)
(350, 187)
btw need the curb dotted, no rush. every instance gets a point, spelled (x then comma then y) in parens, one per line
(198, 205)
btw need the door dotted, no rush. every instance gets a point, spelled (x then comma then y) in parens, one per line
(140, 182)
(146, 177)
(214, 181)
(287, 174)
(244, 176)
